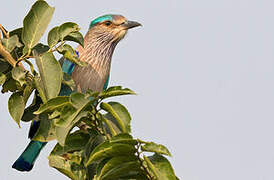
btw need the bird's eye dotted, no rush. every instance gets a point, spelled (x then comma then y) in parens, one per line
(108, 23)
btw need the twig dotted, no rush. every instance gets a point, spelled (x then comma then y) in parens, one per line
(6, 55)
(55, 49)
(4, 31)
(23, 58)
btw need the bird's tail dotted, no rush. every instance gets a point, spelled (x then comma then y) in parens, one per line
(26, 160)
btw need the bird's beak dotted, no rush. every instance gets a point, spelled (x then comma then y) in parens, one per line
(130, 24)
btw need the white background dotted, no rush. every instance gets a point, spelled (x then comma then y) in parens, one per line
(203, 71)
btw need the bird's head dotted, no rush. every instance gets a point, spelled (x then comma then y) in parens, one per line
(112, 27)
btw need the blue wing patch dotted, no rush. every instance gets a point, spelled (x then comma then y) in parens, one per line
(106, 83)
(68, 67)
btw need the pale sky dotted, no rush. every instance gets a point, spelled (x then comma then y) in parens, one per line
(204, 74)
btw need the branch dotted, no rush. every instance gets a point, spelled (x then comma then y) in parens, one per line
(5, 53)
(4, 31)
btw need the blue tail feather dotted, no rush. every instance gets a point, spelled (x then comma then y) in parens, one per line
(26, 160)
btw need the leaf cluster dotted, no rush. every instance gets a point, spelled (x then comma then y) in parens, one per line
(93, 136)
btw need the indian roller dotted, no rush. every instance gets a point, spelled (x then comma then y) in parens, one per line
(104, 34)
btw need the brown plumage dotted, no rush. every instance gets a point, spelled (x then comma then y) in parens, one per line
(99, 45)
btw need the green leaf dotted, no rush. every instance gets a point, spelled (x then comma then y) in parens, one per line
(27, 92)
(40, 88)
(52, 104)
(28, 113)
(51, 74)
(110, 149)
(75, 37)
(122, 167)
(67, 28)
(19, 75)
(100, 166)
(157, 148)
(78, 100)
(62, 132)
(46, 130)
(35, 24)
(70, 112)
(2, 78)
(124, 138)
(10, 85)
(16, 106)
(75, 156)
(119, 113)
(4, 66)
(92, 94)
(68, 167)
(40, 48)
(70, 54)
(110, 126)
(160, 167)
(17, 32)
(107, 150)
(93, 143)
(74, 142)
(17, 52)
(56, 113)
(11, 43)
(68, 81)
(115, 91)
(68, 31)
(95, 140)
(53, 37)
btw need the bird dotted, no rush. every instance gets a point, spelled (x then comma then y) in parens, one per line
(104, 33)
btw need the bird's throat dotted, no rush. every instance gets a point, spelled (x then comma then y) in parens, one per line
(97, 53)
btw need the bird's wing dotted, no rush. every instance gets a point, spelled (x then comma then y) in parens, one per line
(68, 67)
